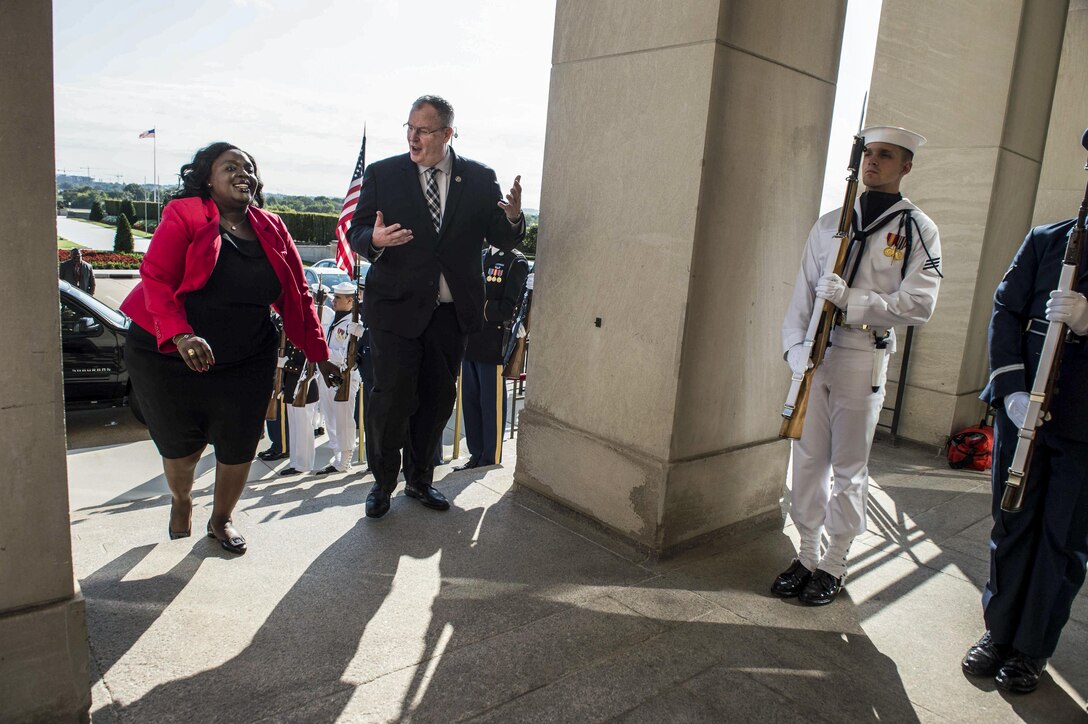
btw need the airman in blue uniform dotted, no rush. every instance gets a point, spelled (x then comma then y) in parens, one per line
(1038, 554)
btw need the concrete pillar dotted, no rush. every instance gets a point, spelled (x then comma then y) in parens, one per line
(43, 635)
(682, 170)
(1062, 180)
(977, 80)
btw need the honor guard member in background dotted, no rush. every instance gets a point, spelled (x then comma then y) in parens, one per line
(483, 389)
(1037, 555)
(305, 417)
(340, 416)
(893, 271)
(277, 446)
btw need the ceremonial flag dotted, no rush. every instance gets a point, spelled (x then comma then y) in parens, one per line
(149, 133)
(344, 258)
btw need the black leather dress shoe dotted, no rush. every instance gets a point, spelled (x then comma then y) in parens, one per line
(821, 589)
(1020, 673)
(428, 496)
(289, 471)
(985, 657)
(791, 581)
(467, 466)
(269, 455)
(377, 502)
(326, 470)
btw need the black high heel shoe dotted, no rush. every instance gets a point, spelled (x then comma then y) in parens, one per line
(233, 544)
(175, 534)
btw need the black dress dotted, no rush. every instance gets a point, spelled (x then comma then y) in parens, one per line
(225, 406)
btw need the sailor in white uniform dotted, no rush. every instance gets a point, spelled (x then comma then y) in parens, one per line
(891, 278)
(340, 416)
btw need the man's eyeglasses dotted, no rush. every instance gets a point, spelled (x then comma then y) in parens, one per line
(423, 131)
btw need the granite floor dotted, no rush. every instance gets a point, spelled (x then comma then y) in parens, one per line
(503, 609)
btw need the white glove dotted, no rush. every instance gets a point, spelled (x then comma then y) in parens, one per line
(281, 362)
(529, 281)
(797, 357)
(832, 288)
(337, 360)
(355, 329)
(1069, 307)
(1016, 406)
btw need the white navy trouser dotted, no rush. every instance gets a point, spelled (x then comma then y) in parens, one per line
(340, 423)
(831, 460)
(301, 419)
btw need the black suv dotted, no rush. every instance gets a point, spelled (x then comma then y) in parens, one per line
(93, 349)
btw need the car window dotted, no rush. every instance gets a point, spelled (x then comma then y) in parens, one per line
(69, 315)
(97, 308)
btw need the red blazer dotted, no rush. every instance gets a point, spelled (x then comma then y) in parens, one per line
(181, 257)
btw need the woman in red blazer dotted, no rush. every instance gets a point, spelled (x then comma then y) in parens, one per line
(201, 350)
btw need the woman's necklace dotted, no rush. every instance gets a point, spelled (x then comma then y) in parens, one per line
(236, 224)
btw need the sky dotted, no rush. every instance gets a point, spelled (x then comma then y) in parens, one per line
(294, 81)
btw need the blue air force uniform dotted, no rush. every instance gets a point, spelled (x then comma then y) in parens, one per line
(483, 393)
(1037, 555)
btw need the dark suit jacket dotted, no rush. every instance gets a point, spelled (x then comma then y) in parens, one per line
(402, 284)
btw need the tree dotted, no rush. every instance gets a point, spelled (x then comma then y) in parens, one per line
(529, 243)
(134, 191)
(128, 209)
(122, 240)
(98, 211)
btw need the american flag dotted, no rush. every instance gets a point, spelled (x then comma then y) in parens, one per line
(344, 257)
(149, 133)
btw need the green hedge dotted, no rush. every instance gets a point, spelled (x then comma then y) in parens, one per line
(113, 208)
(312, 228)
(304, 227)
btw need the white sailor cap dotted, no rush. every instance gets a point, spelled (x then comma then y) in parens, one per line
(345, 288)
(895, 135)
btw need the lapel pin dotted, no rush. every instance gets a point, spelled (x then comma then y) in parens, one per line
(457, 179)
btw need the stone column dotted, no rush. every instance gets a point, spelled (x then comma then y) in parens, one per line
(43, 635)
(977, 80)
(682, 171)
(1061, 182)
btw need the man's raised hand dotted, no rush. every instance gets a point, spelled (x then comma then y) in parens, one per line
(384, 236)
(512, 205)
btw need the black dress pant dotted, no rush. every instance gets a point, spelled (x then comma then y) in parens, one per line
(415, 387)
(1037, 555)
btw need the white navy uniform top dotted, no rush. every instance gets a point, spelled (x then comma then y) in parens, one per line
(336, 334)
(882, 294)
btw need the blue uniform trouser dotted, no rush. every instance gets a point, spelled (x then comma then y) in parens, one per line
(1037, 555)
(483, 406)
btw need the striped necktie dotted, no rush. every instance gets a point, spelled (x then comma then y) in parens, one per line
(434, 204)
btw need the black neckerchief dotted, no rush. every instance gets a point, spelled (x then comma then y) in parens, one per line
(874, 204)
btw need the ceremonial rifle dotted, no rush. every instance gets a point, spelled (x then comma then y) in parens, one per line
(343, 392)
(513, 357)
(824, 316)
(303, 388)
(277, 388)
(1042, 389)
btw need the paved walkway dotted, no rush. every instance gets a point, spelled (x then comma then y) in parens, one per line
(90, 236)
(505, 609)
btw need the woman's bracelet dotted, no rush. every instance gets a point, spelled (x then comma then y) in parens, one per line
(179, 338)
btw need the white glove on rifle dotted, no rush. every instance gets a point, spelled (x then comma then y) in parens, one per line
(529, 281)
(832, 288)
(1068, 307)
(355, 329)
(797, 357)
(1016, 407)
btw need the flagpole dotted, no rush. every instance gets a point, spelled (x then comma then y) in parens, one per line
(155, 167)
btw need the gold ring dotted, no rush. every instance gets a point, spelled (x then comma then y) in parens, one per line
(192, 353)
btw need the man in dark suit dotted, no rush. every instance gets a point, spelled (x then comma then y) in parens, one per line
(77, 272)
(423, 220)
